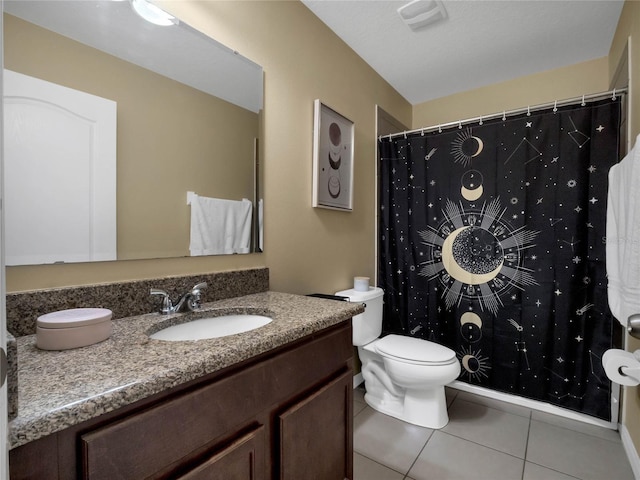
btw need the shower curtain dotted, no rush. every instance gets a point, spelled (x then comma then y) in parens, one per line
(491, 242)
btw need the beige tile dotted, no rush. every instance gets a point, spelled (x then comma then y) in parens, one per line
(537, 472)
(581, 427)
(447, 457)
(366, 469)
(497, 404)
(584, 456)
(389, 441)
(358, 407)
(358, 394)
(487, 426)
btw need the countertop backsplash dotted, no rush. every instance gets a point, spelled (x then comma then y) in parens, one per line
(126, 299)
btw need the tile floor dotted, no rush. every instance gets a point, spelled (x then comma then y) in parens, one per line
(485, 439)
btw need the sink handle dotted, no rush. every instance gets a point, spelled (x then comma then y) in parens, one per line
(195, 297)
(167, 306)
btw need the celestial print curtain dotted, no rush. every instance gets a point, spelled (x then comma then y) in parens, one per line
(491, 242)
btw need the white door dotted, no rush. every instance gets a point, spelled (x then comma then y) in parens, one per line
(60, 173)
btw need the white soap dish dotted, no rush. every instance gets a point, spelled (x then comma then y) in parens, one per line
(73, 328)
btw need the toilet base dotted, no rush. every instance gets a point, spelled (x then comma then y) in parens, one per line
(389, 406)
(424, 408)
(427, 408)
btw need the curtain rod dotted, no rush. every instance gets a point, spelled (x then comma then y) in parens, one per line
(558, 103)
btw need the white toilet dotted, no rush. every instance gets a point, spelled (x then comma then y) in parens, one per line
(404, 376)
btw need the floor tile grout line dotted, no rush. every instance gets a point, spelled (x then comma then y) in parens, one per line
(382, 464)
(482, 445)
(420, 452)
(526, 445)
(580, 432)
(552, 469)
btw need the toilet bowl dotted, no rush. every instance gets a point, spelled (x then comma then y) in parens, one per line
(404, 376)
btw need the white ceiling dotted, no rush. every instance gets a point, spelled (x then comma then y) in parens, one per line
(481, 42)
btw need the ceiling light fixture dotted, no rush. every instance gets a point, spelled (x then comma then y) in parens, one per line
(420, 13)
(153, 14)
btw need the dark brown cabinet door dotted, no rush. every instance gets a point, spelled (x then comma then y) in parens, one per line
(315, 434)
(242, 460)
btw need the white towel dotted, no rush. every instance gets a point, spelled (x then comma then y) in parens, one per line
(623, 236)
(220, 226)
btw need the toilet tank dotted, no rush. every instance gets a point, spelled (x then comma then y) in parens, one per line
(367, 326)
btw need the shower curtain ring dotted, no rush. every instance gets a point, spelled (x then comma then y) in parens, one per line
(555, 106)
(439, 129)
(582, 104)
(459, 124)
(528, 111)
(405, 134)
(614, 94)
(480, 121)
(422, 133)
(504, 115)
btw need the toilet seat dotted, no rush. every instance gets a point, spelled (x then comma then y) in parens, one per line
(414, 351)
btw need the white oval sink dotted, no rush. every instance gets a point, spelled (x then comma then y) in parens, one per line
(212, 327)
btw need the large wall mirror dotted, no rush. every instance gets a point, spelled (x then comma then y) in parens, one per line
(187, 113)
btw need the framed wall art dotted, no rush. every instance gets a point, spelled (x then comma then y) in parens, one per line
(332, 159)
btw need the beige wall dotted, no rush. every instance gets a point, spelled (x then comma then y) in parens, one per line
(559, 84)
(628, 32)
(307, 249)
(171, 138)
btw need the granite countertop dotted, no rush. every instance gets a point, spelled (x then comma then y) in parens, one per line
(57, 389)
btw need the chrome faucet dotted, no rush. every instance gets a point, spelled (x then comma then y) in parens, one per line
(189, 301)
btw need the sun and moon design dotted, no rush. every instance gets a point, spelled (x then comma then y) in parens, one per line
(471, 327)
(472, 185)
(466, 147)
(474, 364)
(476, 254)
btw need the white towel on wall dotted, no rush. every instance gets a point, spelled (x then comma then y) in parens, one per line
(220, 226)
(623, 236)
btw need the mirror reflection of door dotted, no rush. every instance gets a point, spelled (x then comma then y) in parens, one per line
(60, 154)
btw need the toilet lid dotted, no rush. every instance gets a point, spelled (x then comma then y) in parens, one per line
(414, 350)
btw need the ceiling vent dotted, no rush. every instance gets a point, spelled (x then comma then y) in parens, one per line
(420, 13)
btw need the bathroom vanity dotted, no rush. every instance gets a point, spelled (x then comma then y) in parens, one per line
(275, 402)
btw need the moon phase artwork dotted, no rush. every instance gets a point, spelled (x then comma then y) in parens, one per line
(490, 242)
(333, 141)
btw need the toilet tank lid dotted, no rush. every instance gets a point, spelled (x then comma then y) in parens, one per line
(415, 349)
(361, 296)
